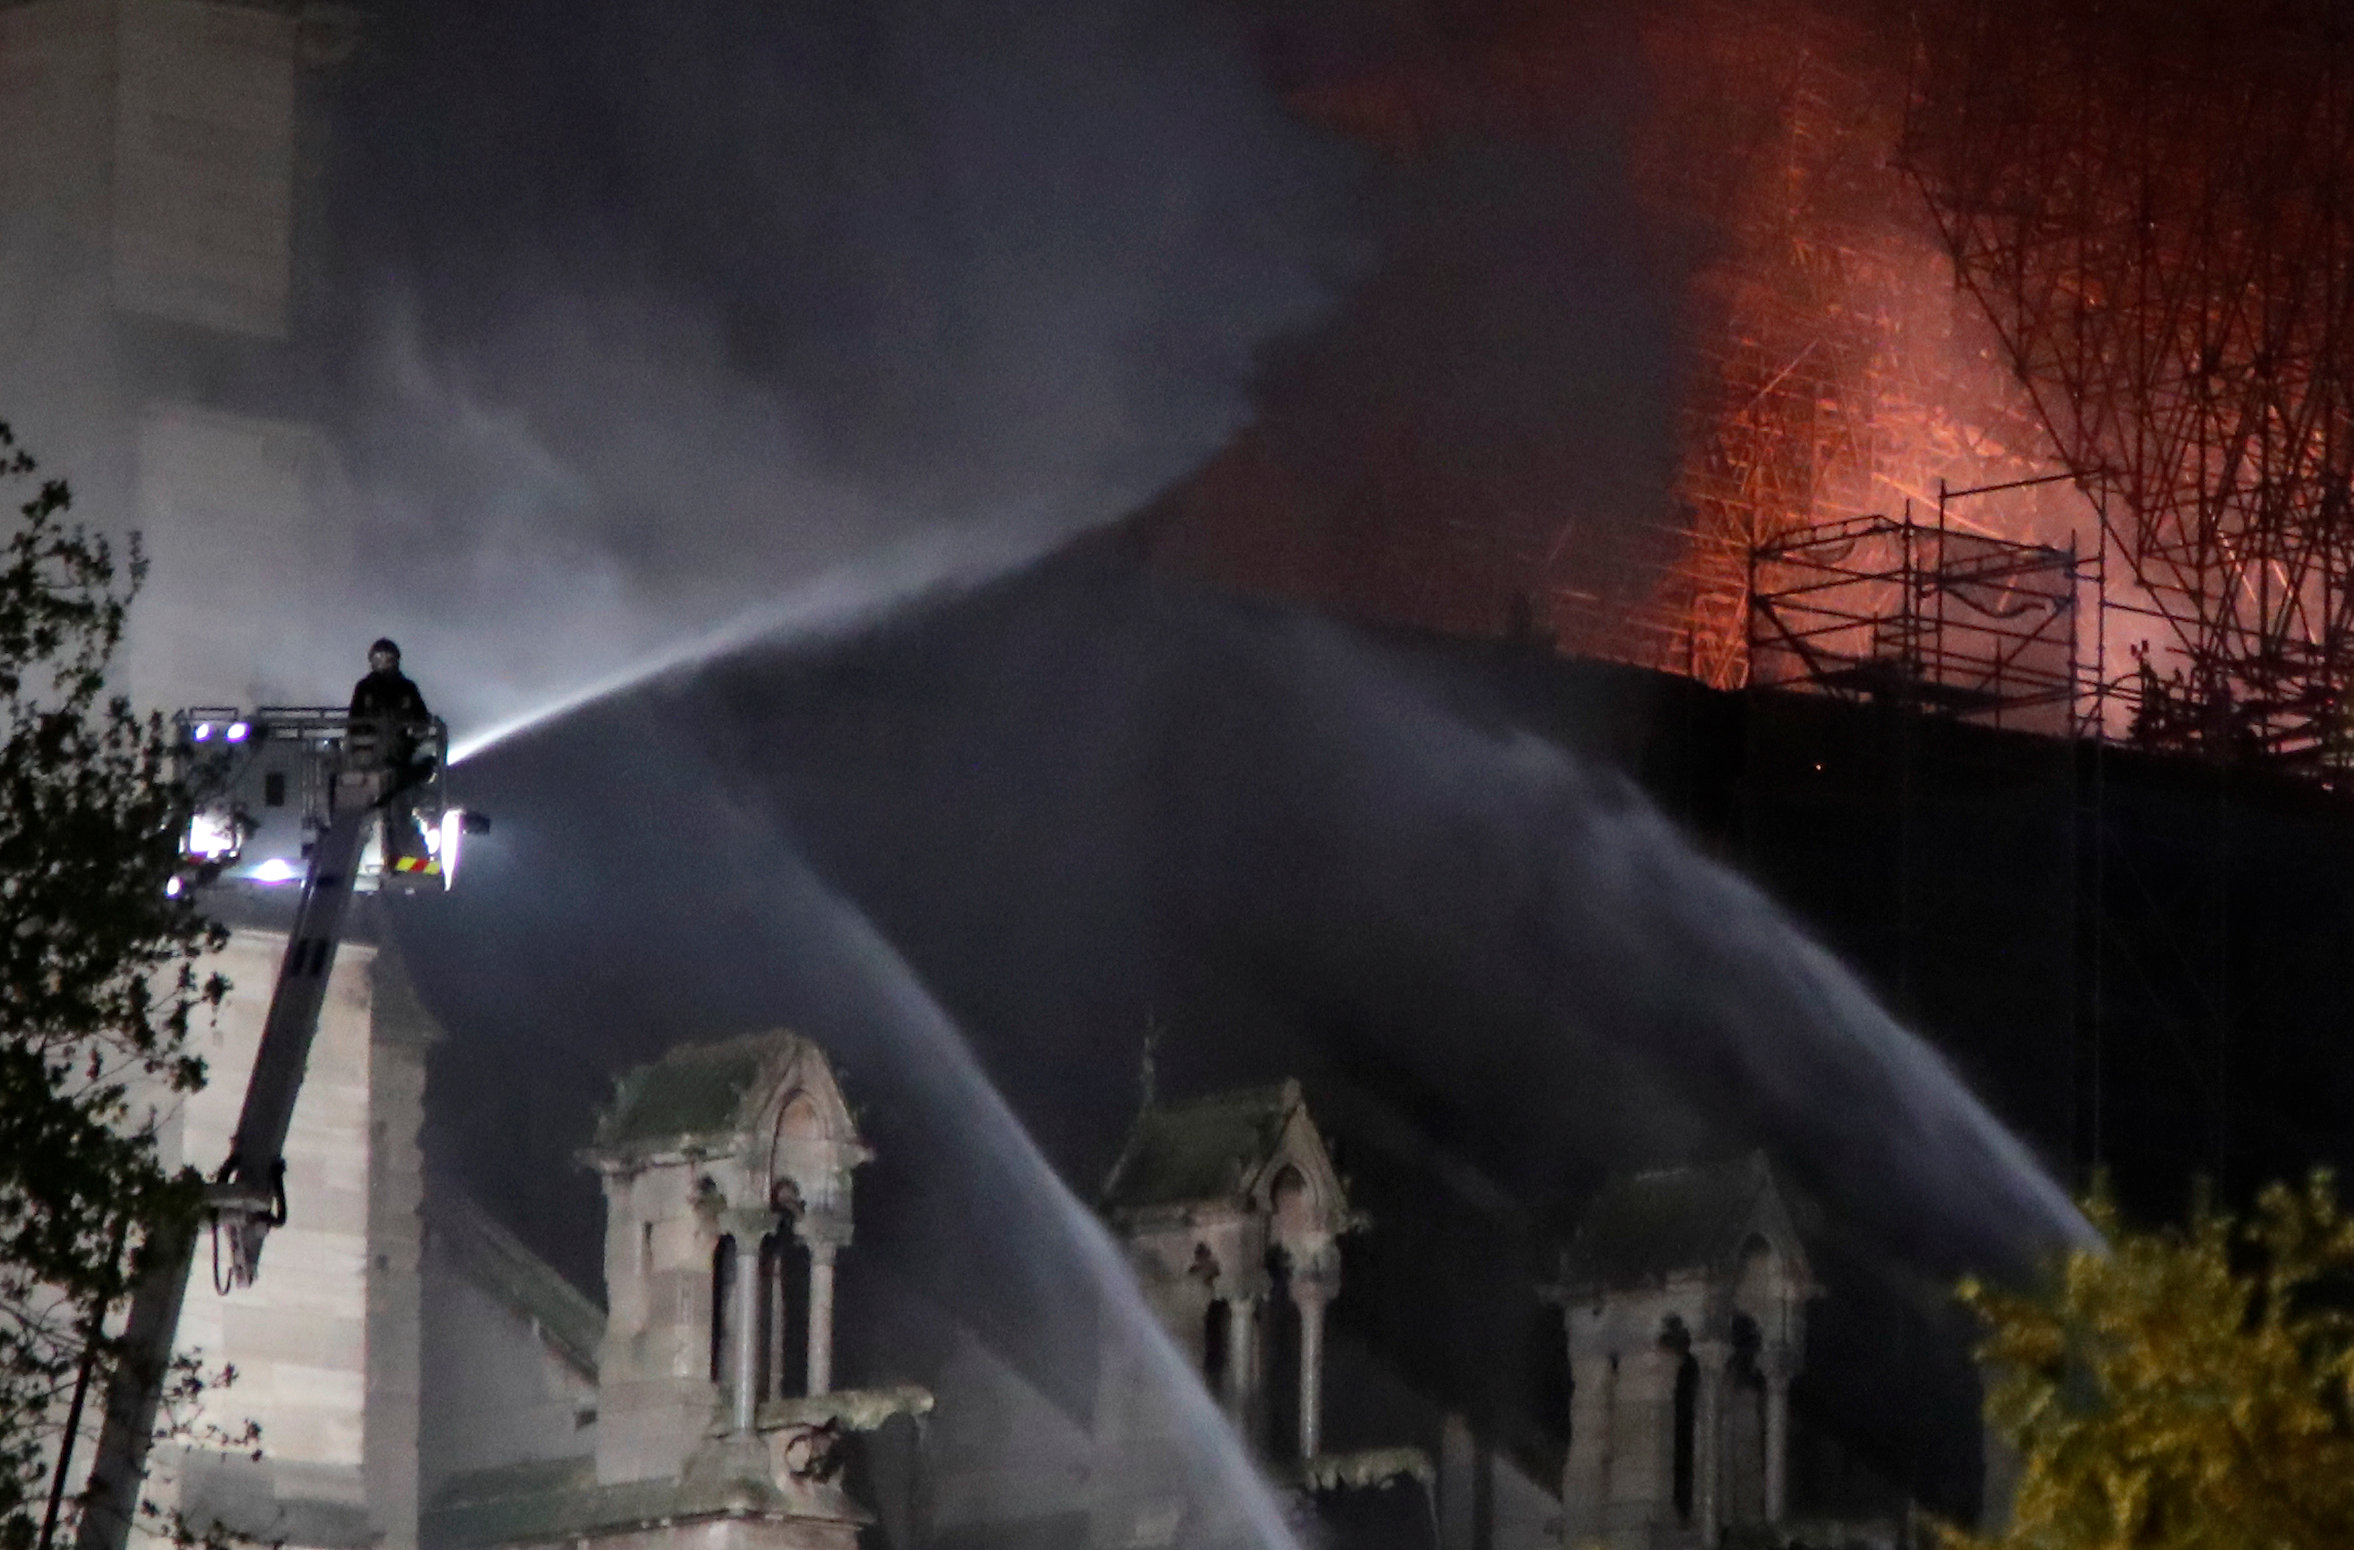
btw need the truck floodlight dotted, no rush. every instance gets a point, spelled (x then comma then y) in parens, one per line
(453, 834)
(237, 731)
(204, 731)
(211, 837)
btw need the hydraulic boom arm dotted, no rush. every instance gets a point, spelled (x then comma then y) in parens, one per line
(249, 1196)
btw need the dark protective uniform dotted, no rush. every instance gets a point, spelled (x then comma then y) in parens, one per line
(388, 699)
(386, 713)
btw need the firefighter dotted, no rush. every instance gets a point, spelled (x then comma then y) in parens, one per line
(387, 715)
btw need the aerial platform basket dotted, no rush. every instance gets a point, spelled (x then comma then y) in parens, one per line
(265, 784)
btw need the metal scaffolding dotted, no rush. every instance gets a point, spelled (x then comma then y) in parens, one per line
(2153, 200)
(1914, 613)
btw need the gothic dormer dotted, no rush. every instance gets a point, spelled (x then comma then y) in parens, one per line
(1232, 1213)
(727, 1172)
(1684, 1292)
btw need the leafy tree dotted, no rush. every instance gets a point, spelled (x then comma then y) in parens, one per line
(99, 978)
(2186, 1388)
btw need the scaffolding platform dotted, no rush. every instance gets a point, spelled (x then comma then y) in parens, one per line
(1902, 611)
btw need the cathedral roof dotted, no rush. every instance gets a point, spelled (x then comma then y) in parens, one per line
(1647, 1226)
(1206, 1149)
(497, 1262)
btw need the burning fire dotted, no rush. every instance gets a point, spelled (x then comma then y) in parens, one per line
(1829, 367)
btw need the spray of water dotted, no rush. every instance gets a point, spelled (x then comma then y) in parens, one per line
(832, 603)
(1303, 799)
(1352, 821)
(1171, 784)
(1690, 963)
(1177, 1422)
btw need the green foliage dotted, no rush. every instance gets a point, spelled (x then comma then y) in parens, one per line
(99, 974)
(2186, 1388)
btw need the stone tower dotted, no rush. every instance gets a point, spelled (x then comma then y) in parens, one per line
(1684, 1292)
(727, 1198)
(727, 1172)
(1232, 1214)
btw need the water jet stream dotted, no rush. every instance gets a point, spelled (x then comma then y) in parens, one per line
(1678, 946)
(831, 603)
(936, 1060)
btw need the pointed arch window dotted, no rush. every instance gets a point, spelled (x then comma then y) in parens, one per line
(1685, 1415)
(1216, 1357)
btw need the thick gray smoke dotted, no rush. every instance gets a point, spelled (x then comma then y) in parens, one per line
(679, 307)
(609, 323)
